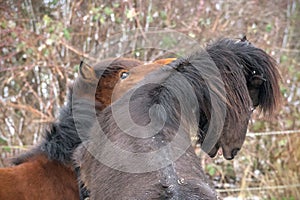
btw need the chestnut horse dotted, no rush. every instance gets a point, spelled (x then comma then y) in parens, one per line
(46, 171)
(140, 146)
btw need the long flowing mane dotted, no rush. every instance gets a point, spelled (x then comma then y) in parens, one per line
(256, 65)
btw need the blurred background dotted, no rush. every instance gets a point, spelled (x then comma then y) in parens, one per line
(43, 41)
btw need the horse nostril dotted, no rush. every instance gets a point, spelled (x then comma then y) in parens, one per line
(234, 152)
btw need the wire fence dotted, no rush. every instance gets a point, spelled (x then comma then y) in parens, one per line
(284, 132)
(276, 187)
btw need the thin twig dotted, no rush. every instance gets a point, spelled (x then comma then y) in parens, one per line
(25, 107)
(78, 52)
(251, 134)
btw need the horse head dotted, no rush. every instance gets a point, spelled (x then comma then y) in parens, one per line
(254, 83)
(109, 79)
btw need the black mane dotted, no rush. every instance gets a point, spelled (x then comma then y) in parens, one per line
(255, 63)
(61, 137)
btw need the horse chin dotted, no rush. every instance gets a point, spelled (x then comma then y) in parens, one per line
(229, 154)
(228, 157)
(214, 151)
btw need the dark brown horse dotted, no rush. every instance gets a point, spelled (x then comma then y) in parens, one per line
(140, 146)
(46, 171)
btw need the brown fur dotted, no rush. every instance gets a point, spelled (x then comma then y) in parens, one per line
(38, 178)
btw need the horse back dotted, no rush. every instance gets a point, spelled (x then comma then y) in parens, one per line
(38, 178)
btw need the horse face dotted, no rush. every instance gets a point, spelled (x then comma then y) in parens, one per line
(129, 78)
(234, 134)
(234, 131)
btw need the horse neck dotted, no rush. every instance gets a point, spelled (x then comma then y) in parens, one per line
(173, 170)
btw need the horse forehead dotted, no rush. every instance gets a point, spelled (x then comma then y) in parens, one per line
(144, 69)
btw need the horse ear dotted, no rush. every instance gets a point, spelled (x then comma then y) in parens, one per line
(244, 38)
(254, 85)
(87, 72)
(164, 61)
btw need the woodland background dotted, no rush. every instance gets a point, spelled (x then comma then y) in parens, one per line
(43, 41)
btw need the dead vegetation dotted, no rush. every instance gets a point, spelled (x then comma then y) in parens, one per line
(41, 45)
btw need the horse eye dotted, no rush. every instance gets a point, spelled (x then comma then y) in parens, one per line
(124, 75)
